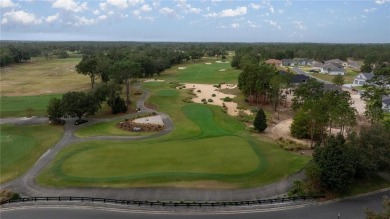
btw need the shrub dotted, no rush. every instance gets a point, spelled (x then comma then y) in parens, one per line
(203, 100)
(198, 91)
(227, 99)
(213, 95)
(210, 100)
(260, 122)
(137, 92)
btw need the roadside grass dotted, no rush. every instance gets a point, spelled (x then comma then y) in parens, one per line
(200, 72)
(373, 183)
(204, 145)
(41, 76)
(348, 77)
(16, 106)
(22, 145)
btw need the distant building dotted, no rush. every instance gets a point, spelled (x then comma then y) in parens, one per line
(287, 62)
(332, 69)
(275, 62)
(298, 79)
(317, 65)
(362, 78)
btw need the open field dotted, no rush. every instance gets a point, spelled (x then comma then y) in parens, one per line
(206, 145)
(348, 77)
(21, 147)
(201, 72)
(41, 76)
(16, 106)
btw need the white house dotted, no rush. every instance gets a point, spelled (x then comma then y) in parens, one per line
(386, 103)
(362, 78)
(332, 69)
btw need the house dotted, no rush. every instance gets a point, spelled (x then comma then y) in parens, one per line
(354, 65)
(287, 62)
(386, 103)
(298, 79)
(337, 61)
(332, 69)
(317, 65)
(362, 78)
(303, 61)
(275, 62)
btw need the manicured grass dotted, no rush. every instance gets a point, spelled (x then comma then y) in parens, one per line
(348, 77)
(21, 147)
(41, 76)
(202, 73)
(16, 106)
(205, 145)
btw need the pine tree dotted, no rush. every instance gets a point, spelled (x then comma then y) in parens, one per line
(260, 122)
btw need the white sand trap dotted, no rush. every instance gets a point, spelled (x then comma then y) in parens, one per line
(222, 69)
(153, 80)
(208, 63)
(181, 68)
(157, 120)
(221, 61)
(207, 90)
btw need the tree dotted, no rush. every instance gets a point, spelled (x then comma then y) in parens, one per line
(87, 66)
(277, 82)
(335, 163)
(78, 104)
(338, 80)
(260, 122)
(54, 110)
(117, 105)
(300, 126)
(124, 70)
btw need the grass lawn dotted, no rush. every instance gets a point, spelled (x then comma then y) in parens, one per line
(202, 73)
(41, 76)
(206, 145)
(348, 77)
(22, 146)
(16, 106)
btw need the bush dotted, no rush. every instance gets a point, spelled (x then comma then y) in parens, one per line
(117, 105)
(213, 95)
(210, 100)
(137, 92)
(203, 100)
(227, 99)
(260, 122)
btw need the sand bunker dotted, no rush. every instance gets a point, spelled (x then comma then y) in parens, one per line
(207, 91)
(156, 120)
(221, 61)
(222, 69)
(208, 63)
(181, 68)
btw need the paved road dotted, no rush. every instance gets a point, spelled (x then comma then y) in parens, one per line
(353, 208)
(26, 184)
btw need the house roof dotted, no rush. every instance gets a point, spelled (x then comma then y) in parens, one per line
(368, 76)
(317, 64)
(386, 100)
(299, 79)
(332, 67)
(332, 87)
(273, 61)
(335, 61)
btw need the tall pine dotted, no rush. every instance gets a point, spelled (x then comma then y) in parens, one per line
(260, 122)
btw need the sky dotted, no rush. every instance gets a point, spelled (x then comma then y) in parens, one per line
(317, 21)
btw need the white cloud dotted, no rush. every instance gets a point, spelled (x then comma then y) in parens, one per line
(255, 6)
(280, 11)
(235, 25)
(121, 4)
(52, 18)
(96, 12)
(221, 27)
(103, 17)
(299, 25)
(146, 8)
(381, 2)
(20, 17)
(211, 14)
(274, 24)
(169, 12)
(7, 4)
(232, 13)
(194, 10)
(288, 2)
(368, 10)
(83, 21)
(70, 5)
(253, 25)
(136, 13)
(135, 2)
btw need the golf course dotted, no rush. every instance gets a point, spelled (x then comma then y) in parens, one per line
(206, 147)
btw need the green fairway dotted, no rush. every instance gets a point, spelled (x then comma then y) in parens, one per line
(200, 72)
(16, 106)
(204, 145)
(21, 147)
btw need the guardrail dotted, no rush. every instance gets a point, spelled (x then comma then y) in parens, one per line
(164, 203)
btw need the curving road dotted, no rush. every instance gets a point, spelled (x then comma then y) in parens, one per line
(27, 186)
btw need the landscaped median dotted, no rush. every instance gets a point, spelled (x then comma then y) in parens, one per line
(206, 149)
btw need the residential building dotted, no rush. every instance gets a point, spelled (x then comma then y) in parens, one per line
(332, 69)
(362, 78)
(275, 62)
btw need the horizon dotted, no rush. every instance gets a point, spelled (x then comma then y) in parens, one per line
(206, 21)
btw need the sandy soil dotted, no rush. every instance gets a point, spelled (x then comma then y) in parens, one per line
(208, 63)
(157, 120)
(359, 104)
(207, 90)
(181, 68)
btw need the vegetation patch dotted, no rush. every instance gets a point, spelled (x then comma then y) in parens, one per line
(22, 146)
